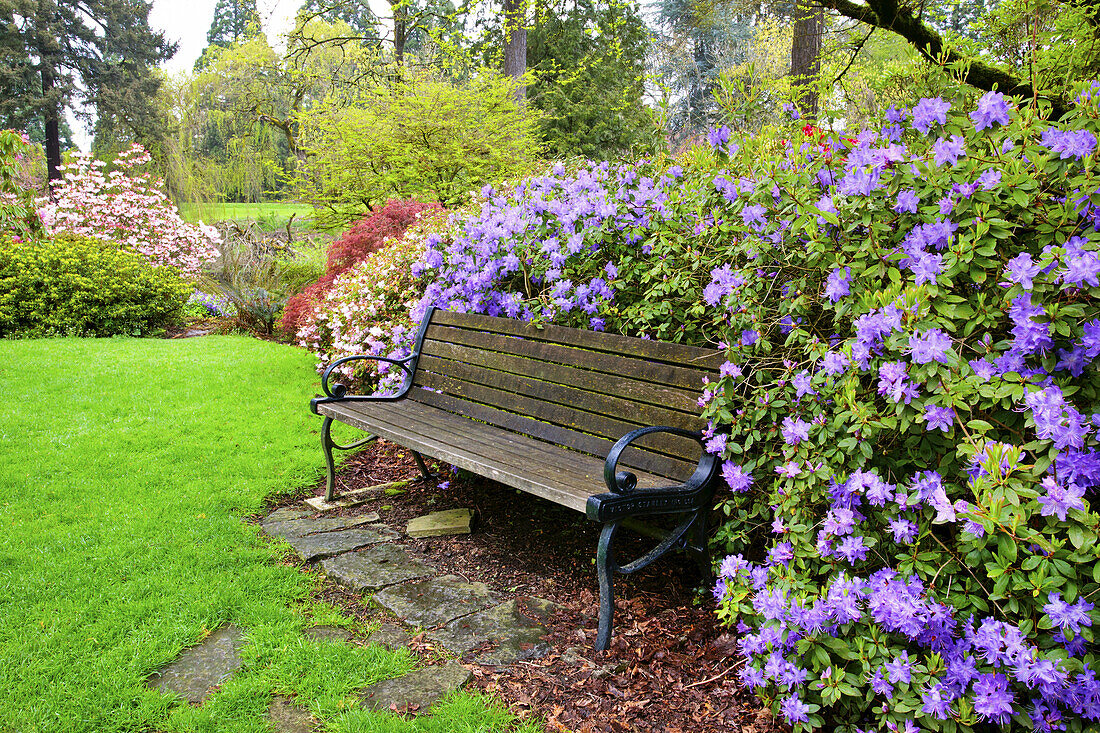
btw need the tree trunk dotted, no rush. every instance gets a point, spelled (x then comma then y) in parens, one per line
(400, 30)
(515, 45)
(809, 25)
(52, 123)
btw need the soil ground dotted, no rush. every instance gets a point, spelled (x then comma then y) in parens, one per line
(671, 666)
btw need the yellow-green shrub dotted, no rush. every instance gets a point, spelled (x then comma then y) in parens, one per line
(78, 286)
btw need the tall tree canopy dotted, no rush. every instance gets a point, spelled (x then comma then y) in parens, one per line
(50, 49)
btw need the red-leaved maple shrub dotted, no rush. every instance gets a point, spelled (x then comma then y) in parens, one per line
(369, 234)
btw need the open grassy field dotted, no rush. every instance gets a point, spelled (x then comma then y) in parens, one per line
(271, 215)
(126, 469)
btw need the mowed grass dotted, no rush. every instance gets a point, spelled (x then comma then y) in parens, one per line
(126, 468)
(275, 214)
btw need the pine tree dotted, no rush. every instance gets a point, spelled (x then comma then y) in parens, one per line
(234, 21)
(50, 49)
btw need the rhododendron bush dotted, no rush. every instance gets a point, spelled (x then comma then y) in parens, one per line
(130, 207)
(908, 415)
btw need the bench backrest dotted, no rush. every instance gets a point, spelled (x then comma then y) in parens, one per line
(580, 389)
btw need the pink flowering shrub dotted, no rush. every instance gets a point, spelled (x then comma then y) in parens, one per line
(366, 308)
(129, 207)
(910, 409)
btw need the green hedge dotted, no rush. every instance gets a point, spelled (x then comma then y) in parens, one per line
(76, 286)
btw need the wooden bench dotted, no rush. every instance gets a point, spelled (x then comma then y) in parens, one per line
(601, 423)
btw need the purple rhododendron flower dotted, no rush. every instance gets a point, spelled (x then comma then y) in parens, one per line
(907, 201)
(1058, 500)
(802, 384)
(795, 430)
(781, 554)
(939, 418)
(1021, 269)
(904, 531)
(718, 137)
(992, 698)
(928, 111)
(1068, 143)
(948, 150)
(992, 107)
(736, 477)
(836, 285)
(834, 363)
(794, 710)
(1068, 615)
(900, 669)
(932, 345)
(990, 179)
(717, 444)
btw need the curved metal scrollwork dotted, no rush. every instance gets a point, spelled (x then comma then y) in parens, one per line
(339, 391)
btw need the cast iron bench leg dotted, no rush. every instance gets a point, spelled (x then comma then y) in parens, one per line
(605, 567)
(327, 444)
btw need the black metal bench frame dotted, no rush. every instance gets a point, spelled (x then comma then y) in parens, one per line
(688, 500)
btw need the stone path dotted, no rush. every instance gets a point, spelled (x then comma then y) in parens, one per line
(365, 555)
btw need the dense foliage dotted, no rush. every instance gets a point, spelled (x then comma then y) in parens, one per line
(81, 286)
(908, 408)
(129, 207)
(423, 137)
(18, 216)
(366, 236)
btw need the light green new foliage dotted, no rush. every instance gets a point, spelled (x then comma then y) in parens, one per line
(126, 467)
(425, 137)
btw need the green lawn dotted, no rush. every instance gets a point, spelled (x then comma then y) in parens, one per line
(125, 469)
(271, 215)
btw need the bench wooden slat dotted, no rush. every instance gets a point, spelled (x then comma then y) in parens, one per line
(632, 458)
(640, 369)
(487, 440)
(573, 479)
(613, 385)
(707, 359)
(555, 414)
(434, 368)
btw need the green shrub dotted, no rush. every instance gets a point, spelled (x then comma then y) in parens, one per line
(76, 286)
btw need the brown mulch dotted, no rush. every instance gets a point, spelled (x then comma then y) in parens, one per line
(671, 666)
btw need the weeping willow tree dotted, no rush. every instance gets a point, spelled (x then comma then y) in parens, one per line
(236, 121)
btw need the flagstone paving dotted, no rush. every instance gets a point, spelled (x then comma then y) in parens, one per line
(199, 669)
(375, 567)
(363, 554)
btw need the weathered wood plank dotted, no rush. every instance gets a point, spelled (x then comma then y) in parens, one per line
(640, 369)
(563, 415)
(449, 444)
(634, 458)
(615, 385)
(681, 354)
(430, 368)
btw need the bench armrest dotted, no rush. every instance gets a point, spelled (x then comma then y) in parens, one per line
(339, 392)
(624, 482)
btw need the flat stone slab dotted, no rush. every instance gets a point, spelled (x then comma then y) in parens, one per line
(315, 546)
(375, 567)
(439, 524)
(286, 514)
(328, 633)
(286, 717)
(199, 669)
(435, 601)
(311, 525)
(417, 690)
(514, 629)
(389, 636)
(355, 497)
